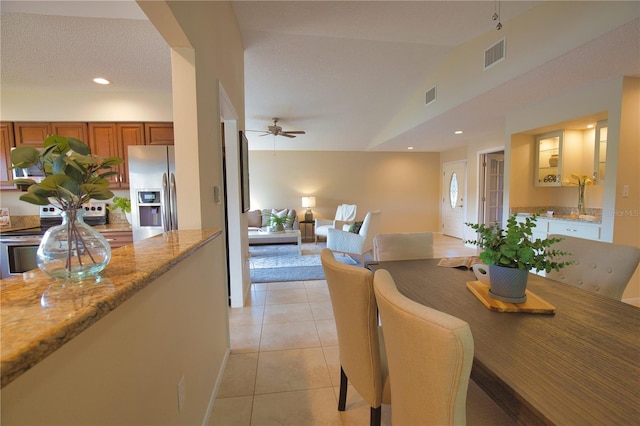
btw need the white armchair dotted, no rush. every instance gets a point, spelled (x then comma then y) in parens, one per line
(355, 244)
(345, 215)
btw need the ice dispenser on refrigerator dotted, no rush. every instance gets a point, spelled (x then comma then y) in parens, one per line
(149, 207)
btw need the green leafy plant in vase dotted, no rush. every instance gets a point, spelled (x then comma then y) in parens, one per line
(277, 223)
(73, 176)
(511, 253)
(124, 204)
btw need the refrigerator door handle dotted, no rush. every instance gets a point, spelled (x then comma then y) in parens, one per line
(174, 202)
(166, 203)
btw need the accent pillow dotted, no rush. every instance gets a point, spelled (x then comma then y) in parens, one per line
(254, 218)
(355, 227)
(283, 213)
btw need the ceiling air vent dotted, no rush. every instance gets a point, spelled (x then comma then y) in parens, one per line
(494, 54)
(430, 96)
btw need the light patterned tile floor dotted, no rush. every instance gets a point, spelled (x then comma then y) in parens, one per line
(284, 366)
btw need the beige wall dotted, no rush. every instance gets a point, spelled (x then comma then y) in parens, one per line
(405, 186)
(627, 209)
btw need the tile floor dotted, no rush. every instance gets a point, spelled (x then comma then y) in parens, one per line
(284, 367)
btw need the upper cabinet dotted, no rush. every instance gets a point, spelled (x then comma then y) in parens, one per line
(600, 151)
(113, 140)
(34, 133)
(548, 166)
(158, 133)
(6, 142)
(105, 139)
(31, 134)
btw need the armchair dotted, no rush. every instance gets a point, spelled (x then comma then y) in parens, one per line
(355, 244)
(345, 215)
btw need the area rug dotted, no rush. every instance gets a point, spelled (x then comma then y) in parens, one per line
(279, 262)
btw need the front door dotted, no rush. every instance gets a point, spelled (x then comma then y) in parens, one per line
(454, 184)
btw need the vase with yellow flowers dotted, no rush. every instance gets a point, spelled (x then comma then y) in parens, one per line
(582, 181)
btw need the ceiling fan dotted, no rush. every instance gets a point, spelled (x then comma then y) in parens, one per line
(276, 130)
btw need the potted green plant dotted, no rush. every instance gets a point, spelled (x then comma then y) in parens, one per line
(277, 223)
(511, 253)
(124, 204)
(73, 176)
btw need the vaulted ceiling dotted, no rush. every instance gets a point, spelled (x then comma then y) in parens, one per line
(352, 74)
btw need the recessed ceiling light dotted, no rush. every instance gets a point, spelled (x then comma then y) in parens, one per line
(590, 126)
(458, 132)
(409, 148)
(101, 80)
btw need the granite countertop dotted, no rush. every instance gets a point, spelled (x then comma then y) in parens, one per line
(40, 314)
(569, 217)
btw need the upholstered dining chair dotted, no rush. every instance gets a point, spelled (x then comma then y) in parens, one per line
(345, 216)
(403, 246)
(601, 267)
(362, 357)
(355, 244)
(430, 354)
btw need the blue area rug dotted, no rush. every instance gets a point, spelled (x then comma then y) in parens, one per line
(272, 263)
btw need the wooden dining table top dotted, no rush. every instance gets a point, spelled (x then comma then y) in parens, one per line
(580, 365)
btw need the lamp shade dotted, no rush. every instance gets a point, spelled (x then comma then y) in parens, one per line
(308, 202)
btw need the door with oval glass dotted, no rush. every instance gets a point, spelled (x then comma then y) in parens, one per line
(454, 185)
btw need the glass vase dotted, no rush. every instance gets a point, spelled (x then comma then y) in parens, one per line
(581, 208)
(73, 250)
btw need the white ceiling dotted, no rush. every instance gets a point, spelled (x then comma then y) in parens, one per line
(341, 71)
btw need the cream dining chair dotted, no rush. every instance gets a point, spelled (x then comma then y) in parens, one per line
(601, 267)
(430, 354)
(362, 356)
(403, 246)
(345, 215)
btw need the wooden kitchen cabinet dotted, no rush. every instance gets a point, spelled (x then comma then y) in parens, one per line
(129, 134)
(6, 143)
(34, 133)
(31, 133)
(70, 130)
(158, 133)
(113, 140)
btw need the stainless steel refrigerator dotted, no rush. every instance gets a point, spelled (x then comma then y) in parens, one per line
(152, 184)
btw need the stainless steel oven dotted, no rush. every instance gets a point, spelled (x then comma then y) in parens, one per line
(18, 254)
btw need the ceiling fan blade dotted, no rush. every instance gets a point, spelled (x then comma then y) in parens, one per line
(287, 135)
(295, 132)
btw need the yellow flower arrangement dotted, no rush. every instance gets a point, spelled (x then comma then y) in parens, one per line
(581, 181)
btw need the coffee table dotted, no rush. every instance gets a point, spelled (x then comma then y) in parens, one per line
(288, 236)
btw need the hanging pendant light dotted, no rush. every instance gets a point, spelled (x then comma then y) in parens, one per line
(496, 14)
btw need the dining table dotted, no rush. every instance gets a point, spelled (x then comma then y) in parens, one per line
(577, 365)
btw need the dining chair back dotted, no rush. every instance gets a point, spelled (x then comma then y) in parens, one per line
(601, 267)
(430, 354)
(403, 246)
(362, 356)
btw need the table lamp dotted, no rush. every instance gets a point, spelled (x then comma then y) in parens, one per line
(308, 202)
